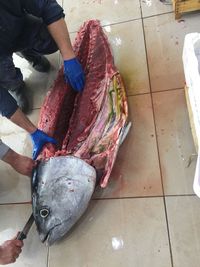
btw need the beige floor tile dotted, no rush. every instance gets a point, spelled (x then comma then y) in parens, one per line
(164, 40)
(184, 217)
(116, 233)
(13, 219)
(136, 171)
(38, 83)
(15, 187)
(72, 37)
(175, 141)
(152, 8)
(34, 116)
(127, 43)
(107, 11)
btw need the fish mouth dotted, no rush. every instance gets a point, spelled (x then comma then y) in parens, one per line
(47, 237)
(44, 237)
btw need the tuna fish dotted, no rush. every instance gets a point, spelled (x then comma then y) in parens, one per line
(89, 128)
(62, 188)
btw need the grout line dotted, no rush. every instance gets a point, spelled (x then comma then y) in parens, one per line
(131, 95)
(138, 94)
(111, 24)
(182, 195)
(48, 252)
(16, 203)
(111, 198)
(121, 22)
(129, 20)
(156, 138)
(167, 90)
(157, 15)
(124, 198)
(142, 197)
(168, 231)
(160, 91)
(141, 9)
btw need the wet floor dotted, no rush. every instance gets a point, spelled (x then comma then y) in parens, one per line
(148, 215)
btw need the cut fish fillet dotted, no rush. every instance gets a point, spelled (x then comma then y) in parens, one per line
(88, 125)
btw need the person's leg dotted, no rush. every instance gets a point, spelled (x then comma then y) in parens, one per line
(12, 80)
(35, 42)
(10, 77)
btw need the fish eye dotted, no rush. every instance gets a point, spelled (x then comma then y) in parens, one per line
(44, 212)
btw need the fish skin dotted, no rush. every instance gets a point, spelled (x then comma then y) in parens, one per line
(63, 186)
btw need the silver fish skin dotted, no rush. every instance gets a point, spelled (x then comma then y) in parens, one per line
(61, 190)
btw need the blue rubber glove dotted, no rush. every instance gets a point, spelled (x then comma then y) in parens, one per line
(74, 74)
(39, 139)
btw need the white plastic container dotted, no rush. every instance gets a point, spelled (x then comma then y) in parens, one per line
(191, 62)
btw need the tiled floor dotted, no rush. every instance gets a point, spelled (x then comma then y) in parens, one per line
(148, 215)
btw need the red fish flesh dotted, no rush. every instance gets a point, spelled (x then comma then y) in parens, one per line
(88, 125)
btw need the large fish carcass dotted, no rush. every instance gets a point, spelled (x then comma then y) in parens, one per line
(89, 128)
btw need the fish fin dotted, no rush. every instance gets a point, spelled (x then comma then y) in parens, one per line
(124, 132)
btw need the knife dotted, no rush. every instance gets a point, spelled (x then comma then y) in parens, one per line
(23, 234)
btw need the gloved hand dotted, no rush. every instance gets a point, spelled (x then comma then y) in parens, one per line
(39, 139)
(74, 74)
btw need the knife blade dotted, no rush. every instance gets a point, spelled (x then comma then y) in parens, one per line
(23, 234)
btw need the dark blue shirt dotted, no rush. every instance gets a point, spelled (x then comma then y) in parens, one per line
(12, 18)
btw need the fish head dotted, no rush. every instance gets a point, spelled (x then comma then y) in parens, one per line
(61, 190)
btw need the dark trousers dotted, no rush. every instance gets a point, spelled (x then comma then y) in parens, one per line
(34, 38)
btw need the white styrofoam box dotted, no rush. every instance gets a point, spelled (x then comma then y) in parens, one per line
(191, 62)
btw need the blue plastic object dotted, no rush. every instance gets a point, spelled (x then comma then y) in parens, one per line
(39, 139)
(74, 74)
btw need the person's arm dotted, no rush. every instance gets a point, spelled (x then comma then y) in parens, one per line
(52, 14)
(49, 10)
(10, 250)
(9, 109)
(73, 70)
(39, 138)
(60, 34)
(22, 121)
(21, 164)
